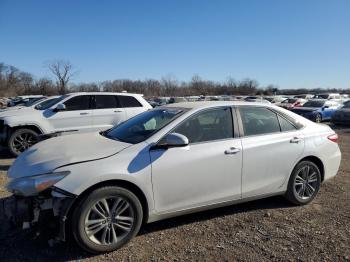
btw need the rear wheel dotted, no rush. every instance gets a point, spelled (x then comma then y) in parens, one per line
(106, 219)
(304, 183)
(318, 118)
(22, 139)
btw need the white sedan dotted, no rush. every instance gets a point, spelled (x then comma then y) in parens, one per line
(166, 162)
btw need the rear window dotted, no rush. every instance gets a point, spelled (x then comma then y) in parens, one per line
(106, 101)
(129, 101)
(258, 121)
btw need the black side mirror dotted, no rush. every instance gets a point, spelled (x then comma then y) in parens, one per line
(173, 140)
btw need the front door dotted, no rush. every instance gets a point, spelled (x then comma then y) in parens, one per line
(206, 171)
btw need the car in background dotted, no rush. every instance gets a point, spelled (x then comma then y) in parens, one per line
(342, 115)
(304, 96)
(178, 99)
(166, 162)
(21, 100)
(290, 103)
(75, 112)
(317, 110)
(29, 104)
(258, 99)
(329, 96)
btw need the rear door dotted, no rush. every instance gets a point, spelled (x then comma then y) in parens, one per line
(107, 112)
(76, 117)
(131, 105)
(271, 147)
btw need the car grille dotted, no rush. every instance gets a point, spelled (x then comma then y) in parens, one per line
(2, 125)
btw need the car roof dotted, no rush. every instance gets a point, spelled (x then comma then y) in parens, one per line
(207, 104)
(103, 93)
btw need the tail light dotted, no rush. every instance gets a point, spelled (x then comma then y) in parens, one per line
(297, 104)
(333, 138)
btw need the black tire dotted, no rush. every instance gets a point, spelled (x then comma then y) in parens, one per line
(85, 208)
(297, 188)
(318, 118)
(21, 139)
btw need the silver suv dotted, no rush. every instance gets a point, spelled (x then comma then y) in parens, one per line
(75, 112)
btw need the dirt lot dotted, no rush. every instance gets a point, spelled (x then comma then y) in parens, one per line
(268, 229)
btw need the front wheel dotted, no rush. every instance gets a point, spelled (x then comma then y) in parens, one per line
(22, 139)
(106, 219)
(304, 183)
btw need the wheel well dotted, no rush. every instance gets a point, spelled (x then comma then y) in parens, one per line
(120, 183)
(317, 162)
(32, 127)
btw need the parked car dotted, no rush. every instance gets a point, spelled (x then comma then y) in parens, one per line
(29, 104)
(166, 162)
(317, 110)
(76, 112)
(173, 100)
(258, 99)
(342, 115)
(305, 96)
(329, 96)
(20, 100)
(290, 103)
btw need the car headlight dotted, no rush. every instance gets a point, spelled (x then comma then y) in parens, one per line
(28, 186)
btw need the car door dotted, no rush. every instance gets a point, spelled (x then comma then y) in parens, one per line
(272, 145)
(76, 117)
(206, 171)
(107, 112)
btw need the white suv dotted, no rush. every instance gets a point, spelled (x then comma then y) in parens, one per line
(76, 112)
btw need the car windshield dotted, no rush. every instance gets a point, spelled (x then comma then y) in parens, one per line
(314, 104)
(142, 126)
(49, 102)
(290, 100)
(33, 101)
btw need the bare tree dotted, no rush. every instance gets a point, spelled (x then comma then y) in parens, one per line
(63, 71)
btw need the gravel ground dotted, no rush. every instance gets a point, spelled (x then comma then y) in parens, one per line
(263, 230)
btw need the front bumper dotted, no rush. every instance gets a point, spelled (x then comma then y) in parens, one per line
(39, 212)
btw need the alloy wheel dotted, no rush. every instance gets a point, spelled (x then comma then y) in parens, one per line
(306, 182)
(23, 141)
(109, 220)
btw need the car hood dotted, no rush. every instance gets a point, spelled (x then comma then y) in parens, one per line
(50, 154)
(304, 109)
(17, 111)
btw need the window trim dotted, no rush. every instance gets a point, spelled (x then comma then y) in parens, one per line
(90, 103)
(235, 131)
(278, 114)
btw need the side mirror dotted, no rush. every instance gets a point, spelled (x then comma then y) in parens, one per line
(173, 140)
(60, 107)
(324, 107)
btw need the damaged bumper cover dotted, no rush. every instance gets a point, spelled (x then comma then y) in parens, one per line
(30, 211)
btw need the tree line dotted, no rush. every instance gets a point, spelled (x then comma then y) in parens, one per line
(15, 82)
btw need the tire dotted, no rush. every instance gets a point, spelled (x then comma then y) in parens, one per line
(318, 118)
(21, 139)
(93, 228)
(304, 183)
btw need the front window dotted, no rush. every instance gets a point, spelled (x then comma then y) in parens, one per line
(314, 104)
(290, 101)
(143, 126)
(325, 96)
(210, 125)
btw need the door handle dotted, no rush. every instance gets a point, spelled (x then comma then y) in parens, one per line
(232, 151)
(295, 140)
(82, 114)
(118, 111)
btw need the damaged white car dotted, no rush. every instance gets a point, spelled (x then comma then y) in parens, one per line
(166, 162)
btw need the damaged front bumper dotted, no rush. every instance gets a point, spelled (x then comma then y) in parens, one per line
(48, 209)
